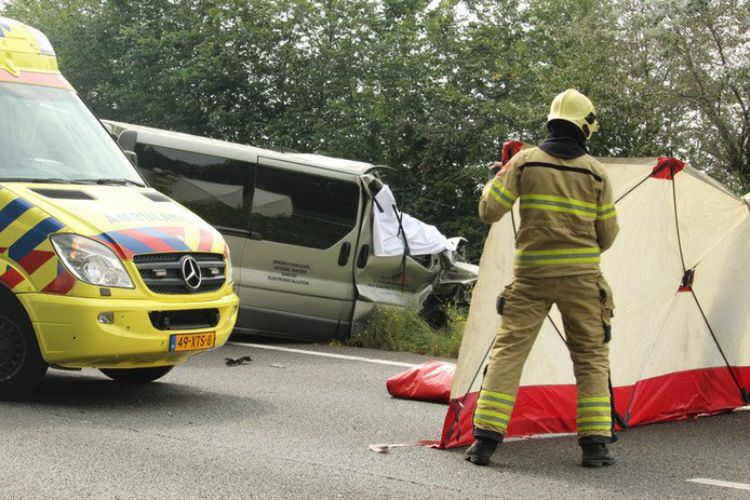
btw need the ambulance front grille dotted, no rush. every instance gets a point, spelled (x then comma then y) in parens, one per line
(162, 273)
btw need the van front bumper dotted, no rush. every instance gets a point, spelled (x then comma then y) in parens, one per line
(70, 334)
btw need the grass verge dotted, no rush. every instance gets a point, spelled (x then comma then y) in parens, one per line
(403, 329)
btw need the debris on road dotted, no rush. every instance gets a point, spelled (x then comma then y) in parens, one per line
(386, 448)
(239, 361)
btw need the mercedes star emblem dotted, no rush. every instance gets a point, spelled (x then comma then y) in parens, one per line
(191, 272)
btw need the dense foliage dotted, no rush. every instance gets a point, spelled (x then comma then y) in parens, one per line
(428, 88)
(403, 329)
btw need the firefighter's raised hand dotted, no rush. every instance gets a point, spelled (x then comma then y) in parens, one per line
(494, 168)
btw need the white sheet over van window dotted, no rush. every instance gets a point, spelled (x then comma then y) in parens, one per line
(423, 239)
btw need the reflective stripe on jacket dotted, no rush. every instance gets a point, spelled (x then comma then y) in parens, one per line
(568, 216)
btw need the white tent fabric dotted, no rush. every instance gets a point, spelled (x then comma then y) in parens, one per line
(676, 350)
(193, 190)
(272, 204)
(423, 239)
(264, 202)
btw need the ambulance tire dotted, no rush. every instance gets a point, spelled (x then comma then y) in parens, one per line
(136, 375)
(21, 363)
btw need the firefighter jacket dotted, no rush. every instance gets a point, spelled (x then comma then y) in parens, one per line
(567, 212)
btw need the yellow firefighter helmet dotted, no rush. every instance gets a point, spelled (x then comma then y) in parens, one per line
(576, 108)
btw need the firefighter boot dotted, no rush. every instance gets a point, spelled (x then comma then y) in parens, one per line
(480, 452)
(596, 455)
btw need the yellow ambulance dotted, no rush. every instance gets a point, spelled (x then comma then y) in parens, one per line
(97, 270)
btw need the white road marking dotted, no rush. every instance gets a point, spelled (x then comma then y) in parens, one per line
(723, 484)
(325, 354)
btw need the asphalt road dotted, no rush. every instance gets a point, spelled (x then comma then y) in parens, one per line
(295, 425)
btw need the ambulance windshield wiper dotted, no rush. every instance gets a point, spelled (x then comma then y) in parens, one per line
(39, 180)
(110, 182)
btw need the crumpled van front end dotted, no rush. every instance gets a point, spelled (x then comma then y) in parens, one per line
(96, 269)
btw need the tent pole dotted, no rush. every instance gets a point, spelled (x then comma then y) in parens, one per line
(633, 188)
(743, 391)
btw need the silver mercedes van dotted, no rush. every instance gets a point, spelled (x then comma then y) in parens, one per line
(299, 227)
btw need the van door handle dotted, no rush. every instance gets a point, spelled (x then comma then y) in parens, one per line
(346, 249)
(364, 255)
(230, 231)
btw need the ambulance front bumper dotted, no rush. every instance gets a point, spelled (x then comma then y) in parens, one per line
(71, 333)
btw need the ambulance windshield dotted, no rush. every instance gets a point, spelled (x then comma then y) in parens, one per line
(48, 135)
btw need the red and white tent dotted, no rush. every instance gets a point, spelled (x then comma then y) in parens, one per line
(680, 274)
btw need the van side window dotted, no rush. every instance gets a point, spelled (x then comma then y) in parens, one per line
(302, 209)
(217, 189)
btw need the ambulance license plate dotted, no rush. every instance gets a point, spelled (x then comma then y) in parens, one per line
(192, 341)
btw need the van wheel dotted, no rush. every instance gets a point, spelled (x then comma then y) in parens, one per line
(436, 317)
(433, 312)
(136, 375)
(21, 363)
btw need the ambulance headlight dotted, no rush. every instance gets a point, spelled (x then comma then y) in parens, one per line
(91, 261)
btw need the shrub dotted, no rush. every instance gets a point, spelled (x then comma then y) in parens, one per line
(403, 329)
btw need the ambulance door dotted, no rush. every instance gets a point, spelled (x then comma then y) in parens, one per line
(297, 267)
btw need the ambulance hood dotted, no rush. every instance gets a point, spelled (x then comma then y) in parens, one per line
(133, 220)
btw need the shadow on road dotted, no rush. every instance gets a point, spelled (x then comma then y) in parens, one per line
(157, 404)
(258, 338)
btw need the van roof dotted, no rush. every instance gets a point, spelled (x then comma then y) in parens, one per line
(235, 151)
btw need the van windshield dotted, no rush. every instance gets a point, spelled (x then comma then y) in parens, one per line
(48, 134)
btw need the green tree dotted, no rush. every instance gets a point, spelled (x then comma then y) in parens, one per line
(429, 89)
(702, 49)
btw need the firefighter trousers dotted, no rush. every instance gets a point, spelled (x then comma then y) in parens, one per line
(585, 303)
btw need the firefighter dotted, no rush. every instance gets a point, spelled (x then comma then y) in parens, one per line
(567, 220)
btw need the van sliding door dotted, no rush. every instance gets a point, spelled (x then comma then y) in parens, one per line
(297, 267)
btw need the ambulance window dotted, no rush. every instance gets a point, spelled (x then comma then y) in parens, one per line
(48, 134)
(302, 209)
(214, 188)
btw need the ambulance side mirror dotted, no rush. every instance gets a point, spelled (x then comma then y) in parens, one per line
(133, 157)
(127, 140)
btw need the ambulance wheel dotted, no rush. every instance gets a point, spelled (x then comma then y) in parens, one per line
(136, 375)
(21, 363)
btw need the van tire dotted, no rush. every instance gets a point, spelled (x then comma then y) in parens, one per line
(21, 363)
(434, 312)
(436, 316)
(136, 375)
